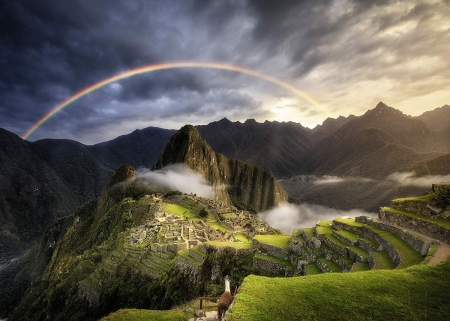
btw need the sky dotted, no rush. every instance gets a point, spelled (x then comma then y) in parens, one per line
(346, 56)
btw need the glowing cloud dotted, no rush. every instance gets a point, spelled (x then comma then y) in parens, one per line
(287, 217)
(173, 65)
(178, 177)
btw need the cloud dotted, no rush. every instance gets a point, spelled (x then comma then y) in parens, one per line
(287, 217)
(410, 179)
(351, 54)
(177, 177)
(326, 179)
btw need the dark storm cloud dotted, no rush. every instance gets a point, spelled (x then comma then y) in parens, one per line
(51, 49)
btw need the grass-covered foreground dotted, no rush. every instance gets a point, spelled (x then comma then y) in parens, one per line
(417, 293)
(141, 315)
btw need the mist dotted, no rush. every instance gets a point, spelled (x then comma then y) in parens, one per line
(177, 177)
(287, 217)
(410, 179)
(402, 179)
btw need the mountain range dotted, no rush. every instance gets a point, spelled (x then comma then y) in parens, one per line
(48, 179)
(254, 166)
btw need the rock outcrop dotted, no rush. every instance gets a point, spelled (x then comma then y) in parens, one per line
(245, 185)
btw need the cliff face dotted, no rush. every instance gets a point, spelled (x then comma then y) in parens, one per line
(245, 185)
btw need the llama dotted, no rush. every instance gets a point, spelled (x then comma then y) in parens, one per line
(225, 300)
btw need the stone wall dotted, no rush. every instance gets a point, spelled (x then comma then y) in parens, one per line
(338, 260)
(416, 242)
(416, 224)
(368, 233)
(366, 246)
(188, 267)
(411, 206)
(333, 246)
(344, 239)
(196, 255)
(266, 265)
(271, 250)
(208, 248)
(89, 292)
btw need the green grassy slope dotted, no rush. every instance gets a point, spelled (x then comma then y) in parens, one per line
(417, 293)
(138, 315)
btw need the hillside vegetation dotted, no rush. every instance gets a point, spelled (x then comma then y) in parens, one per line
(417, 293)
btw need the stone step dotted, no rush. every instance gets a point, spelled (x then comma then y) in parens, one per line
(381, 261)
(344, 262)
(399, 251)
(273, 265)
(312, 269)
(196, 253)
(158, 260)
(153, 265)
(327, 266)
(358, 267)
(438, 228)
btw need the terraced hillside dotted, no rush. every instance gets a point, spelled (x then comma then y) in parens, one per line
(398, 263)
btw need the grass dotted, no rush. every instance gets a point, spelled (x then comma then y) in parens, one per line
(419, 199)
(417, 293)
(281, 241)
(185, 254)
(236, 245)
(361, 252)
(312, 269)
(348, 221)
(358, 267)
(219, 227)
(273, 259)
(445, 223)
(308, 231)
(181, 211)
(382, 261)
(330, 264)
(348, 235)
(141, 315)
(242, 238)
(408, 255)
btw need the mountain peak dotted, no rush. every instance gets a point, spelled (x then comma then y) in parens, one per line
(122, 174)
(381, 105)
(383, 111)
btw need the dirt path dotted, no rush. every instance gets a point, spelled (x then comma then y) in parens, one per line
(443, 249)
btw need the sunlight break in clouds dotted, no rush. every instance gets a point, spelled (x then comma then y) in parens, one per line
(287, 217)
(178, 177)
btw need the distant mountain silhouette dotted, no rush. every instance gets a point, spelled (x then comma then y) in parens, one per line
(439, 121)
(352, 150)
(280, 148)
(43, 180)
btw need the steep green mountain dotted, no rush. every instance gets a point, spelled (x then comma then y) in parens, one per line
(280, 148)
(136, 247)
(243, 184)
(33, 194)
(44, 180)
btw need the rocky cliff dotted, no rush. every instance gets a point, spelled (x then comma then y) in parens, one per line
(245, 185)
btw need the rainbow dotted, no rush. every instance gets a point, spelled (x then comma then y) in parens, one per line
(172, 65)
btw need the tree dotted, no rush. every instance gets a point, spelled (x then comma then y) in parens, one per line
(203, 213)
